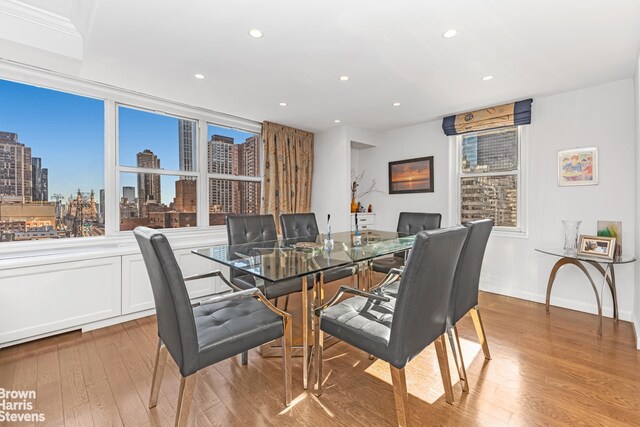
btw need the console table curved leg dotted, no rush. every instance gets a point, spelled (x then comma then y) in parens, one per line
(552, 277)
(611, 281)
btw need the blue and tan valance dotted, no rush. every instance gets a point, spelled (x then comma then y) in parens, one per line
(515, 113)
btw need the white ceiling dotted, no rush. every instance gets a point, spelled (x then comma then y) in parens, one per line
(392, 51)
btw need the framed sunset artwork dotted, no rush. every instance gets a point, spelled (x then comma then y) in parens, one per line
(411, 176)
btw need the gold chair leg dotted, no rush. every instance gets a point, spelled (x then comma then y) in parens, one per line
(477, 322)
(400, 394)
(456, 349)
(286, 358)
(443, 362)
(158, 372)
(185, 398)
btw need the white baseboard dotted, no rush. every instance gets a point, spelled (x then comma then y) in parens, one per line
(636, 329)
(592, 308)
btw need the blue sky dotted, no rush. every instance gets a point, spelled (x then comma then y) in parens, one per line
(67, 132)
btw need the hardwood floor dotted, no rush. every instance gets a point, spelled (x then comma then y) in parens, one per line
(546, 370)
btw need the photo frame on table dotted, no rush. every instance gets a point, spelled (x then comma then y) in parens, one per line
(411, 176)
(578, 166)
(611, 229)
(597, 246)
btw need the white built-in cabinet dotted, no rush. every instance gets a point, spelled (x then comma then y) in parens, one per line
(49, 294)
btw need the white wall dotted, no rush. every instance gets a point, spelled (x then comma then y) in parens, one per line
(409, 142)
(637, 197)
(331, 176)
(600, 116)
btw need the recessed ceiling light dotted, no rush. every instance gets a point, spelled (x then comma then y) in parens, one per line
(255, 33)
(344, 78)
(199, 76)
(449, 34)
(396, 104)
(283, 104)
(487, 78)
(336, 121)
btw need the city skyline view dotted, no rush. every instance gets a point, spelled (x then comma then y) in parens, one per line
(52, 152)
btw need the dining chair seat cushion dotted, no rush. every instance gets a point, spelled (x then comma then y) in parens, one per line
(391, 290)
(227, 328)
(272, 290)
(383, 265)
(339, 273)
(362, 323)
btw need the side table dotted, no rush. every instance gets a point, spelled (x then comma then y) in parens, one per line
(604, 266)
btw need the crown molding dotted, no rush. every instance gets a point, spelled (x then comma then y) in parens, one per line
(36, 27)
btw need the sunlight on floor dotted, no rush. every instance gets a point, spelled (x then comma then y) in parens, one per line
(426, 384)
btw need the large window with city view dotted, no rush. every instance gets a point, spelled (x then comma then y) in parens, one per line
(233, 161)
(51, 164)
(489, 177)
(158, 172)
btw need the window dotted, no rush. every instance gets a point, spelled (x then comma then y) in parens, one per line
(233, 162)
(51, 164)
(490, 177)
(157, 172)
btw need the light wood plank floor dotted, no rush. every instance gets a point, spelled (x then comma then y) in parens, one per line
(546, 370)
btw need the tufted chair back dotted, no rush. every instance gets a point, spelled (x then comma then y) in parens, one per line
(176, 324)
(243, 229)
(421, 307)
(413, 222)
(467, 279)
(299, 225)
(250, 228)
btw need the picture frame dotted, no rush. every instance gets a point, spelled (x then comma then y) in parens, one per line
(611, 229)
(411, 176)
(578, 166)
(597, 246)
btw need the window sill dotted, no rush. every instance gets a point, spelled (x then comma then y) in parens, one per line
(14, 255)
(510, 234)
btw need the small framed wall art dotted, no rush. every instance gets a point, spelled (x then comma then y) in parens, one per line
(411, 176)
(578, 166)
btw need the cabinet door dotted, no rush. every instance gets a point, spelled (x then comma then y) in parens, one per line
(48, 298)
(136, 288)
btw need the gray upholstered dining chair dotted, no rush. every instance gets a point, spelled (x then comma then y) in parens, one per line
(464, 294)
(244, 229)
(208, 332)
(301, 226)
(398, 329)
(408, 223)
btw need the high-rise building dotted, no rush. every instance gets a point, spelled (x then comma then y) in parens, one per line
(39, 181)
(128, 194)
(220, 159)
(102, 205)
(186, 192)
(247, 163)
(186, 139)
(148, 184)
(15, 170)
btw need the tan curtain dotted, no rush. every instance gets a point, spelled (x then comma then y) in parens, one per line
(516, 113)
(288, 169)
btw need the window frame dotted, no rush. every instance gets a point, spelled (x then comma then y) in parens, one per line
(112, 97)
(228, 177)
(521, 228)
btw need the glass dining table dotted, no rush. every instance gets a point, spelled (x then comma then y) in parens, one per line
(308, 258)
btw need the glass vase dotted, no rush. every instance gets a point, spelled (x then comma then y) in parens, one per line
(571, 233)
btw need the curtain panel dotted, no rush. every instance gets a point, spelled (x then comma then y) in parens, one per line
(288, 170)
(515, 113)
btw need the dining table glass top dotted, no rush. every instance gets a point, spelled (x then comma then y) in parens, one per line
(284, 259)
